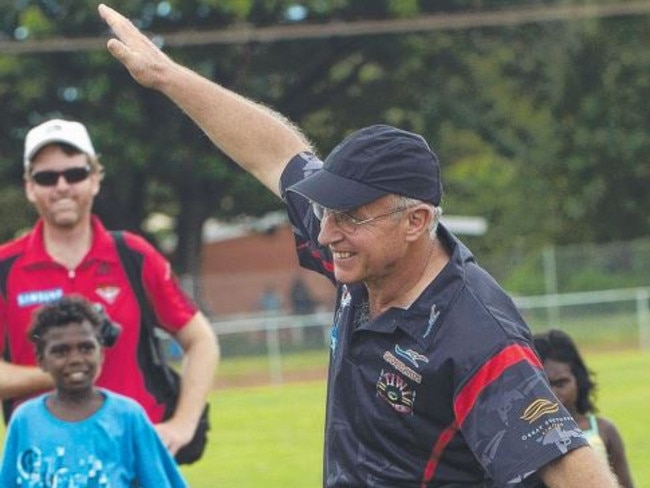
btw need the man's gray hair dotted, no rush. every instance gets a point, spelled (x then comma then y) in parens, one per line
(405, 202)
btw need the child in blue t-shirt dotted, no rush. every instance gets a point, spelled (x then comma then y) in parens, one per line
(81, 436)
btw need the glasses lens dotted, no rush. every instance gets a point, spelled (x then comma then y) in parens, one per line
(343, 220)
(46, 178)
(51, 178)
(346, 222)
(75, 175)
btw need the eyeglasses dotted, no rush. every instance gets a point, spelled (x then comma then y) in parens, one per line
(346, 222)
(71, 175)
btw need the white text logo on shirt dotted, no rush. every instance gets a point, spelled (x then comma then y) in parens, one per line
(38, 297)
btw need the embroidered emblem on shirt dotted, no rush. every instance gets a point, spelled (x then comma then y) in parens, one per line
(345, 301)
(560, 437)
(489, 452)
(108, 293)
(433, 316)
(38, 297)
(539, 408)
(346, 297)
(396, 391)
(411, 356)
(334, 334)
(401, 367)
(312, 163)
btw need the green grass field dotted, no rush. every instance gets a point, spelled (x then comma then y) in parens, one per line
(271, 436)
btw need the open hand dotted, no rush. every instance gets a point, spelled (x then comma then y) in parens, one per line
(174, 435)
(142, 58)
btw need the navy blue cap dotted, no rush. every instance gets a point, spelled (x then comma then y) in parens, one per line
(373, 162)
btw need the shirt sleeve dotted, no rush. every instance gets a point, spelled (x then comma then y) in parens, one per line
(155, 466)
(171, 304)
(9, 463)
(305, 225)
(510, 417)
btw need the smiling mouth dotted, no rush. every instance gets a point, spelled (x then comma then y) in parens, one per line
(77, 375)
(342, 254)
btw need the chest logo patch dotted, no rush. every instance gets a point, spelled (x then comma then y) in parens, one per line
(38, 297)
(108, 293)
(396, 391)
(411, 356)
(401, 367)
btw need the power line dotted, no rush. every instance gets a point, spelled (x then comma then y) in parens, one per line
(423, 23)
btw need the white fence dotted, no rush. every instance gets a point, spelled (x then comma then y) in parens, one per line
(610, 318)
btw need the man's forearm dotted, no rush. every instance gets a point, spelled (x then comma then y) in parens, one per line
(20, 381)
(200, 360)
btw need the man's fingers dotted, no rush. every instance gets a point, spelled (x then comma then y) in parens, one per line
(109, 15)
(117, 49)
(122, 27)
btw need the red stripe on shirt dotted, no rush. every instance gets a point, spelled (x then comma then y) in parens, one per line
(488, 373)
(441, 444)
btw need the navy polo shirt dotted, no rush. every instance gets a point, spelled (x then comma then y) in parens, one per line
(446, 393)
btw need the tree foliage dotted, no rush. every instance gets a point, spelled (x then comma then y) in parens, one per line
(540, 128)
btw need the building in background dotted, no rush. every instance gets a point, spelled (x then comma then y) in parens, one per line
(239, 263)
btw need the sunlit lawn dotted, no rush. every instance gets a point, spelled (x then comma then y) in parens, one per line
(271, 436)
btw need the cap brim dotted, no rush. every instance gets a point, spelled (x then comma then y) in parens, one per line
(333, 191)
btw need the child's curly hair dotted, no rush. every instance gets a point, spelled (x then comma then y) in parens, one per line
(71, 309)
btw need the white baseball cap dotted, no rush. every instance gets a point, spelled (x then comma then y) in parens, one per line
(57, 130)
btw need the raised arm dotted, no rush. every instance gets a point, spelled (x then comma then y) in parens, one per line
(260, 140)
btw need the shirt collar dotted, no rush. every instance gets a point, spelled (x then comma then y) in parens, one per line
(101, 247)
(420, 319)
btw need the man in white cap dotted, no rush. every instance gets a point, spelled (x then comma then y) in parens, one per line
(69, 251)
(433, 379)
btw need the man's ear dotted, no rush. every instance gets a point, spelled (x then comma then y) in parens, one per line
(419, 222)
(96, 182)
(29, 191)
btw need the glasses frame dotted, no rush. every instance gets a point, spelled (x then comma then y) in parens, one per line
(348, 222)
(50, 178)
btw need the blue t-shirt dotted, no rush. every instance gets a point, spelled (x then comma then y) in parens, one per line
(116, 447)
(446, 393)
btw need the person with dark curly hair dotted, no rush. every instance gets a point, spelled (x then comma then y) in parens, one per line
(69, 250)
(81, 435)
(574, 385)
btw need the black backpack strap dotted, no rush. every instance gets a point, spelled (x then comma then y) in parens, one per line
(160, 379)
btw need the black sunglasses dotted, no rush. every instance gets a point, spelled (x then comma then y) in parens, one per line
(71, 175)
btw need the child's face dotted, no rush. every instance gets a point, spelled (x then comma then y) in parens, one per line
(72, 356)
(563, 383)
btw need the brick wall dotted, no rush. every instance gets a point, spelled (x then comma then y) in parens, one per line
(235, 272)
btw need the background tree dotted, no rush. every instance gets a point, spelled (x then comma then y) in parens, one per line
(540, 128)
